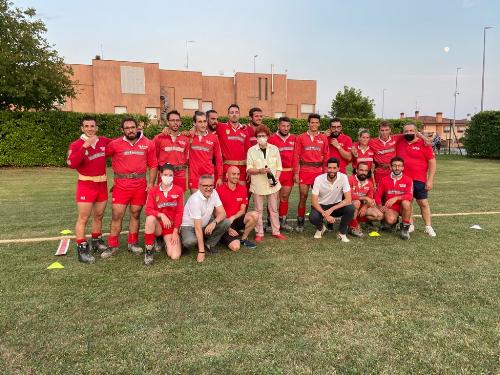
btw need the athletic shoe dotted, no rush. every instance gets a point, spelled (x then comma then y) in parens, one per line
(430, 231)
(84, 254)
(279, 236)
(343, 237)
(248, 244)
(319, 233)
(148, 256)
(159, 244)
(300, 225)
(356, 232)
(109, 252)
(268, 228)
(258, 238)
(405, 232)
(97, 244)
(284, 225)
(134, 249)
(412, 228)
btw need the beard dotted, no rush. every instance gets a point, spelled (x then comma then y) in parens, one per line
(282, 134)
(332, 175)
(361, 177)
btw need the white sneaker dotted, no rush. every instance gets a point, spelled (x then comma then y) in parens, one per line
(412, 228)
(430, 231)
(319, 233)
(343, 237)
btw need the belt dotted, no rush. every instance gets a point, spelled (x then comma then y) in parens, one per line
(179, 167)
(286, 169)
(235, 162)
(130, 175)
(101, 178)
(311, 163)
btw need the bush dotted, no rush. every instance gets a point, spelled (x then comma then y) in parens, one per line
(29, 139)
(482, 137)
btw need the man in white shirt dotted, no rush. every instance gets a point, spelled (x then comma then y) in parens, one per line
(331, 198)
(204, 219)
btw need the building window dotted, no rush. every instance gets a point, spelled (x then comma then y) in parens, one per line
(307, 108)
(206, 106)
(278, 114)
(120, 110)
(190, 104)
(132, 80)
(265, 92)
(152, 112)
(260, 88)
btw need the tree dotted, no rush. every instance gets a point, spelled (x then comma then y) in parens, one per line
(32, 75)
(352, 104)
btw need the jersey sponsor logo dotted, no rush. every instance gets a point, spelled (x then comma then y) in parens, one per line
(173, 148)
(396, 192)
(200, 148)
(143, 147)
(239, 199)
(133, 153)
(236, 138)
(365, 159)
(95, 156)
(175, 196)
(182, 142)
(320, 141)
(82, 197)
(209, 142)
(402, 185)
(167, 204)
(285, 148)
(386, 151)
(416, 148)
(312, 148)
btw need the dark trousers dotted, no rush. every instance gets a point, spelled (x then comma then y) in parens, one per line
(345, 213)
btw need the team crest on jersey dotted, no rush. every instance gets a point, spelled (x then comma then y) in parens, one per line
(239, 199)
(143, 147)
(209, 142)
(175, 196)
(416, 148)
(227, 131)
(319, 141)
(157, 198)
(182, 142)
(86, 152)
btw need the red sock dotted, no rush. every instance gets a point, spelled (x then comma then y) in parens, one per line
(96, 235)
(283, 209)
(113, 241)
(354, 223)
(406, 221)
(301, 211)
(149, 238)
(79, 241)
(133, 237)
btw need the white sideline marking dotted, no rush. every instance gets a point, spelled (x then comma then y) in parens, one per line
(44, 239)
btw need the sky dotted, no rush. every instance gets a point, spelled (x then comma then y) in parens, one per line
(371, 45)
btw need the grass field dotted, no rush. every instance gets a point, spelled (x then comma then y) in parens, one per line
(375, 305)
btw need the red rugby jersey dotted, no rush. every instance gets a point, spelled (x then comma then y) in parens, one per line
(286, 146)
(384, 151)
(390, 187)
(170, 203)
(203, 151)
(234, 144)
(363, 156)
(360, 188)
(232, 199)
(416, 158)
(127, 158)
(251, 134)
(346, 143)
(90, 161)
(171, 151)
(310, 149)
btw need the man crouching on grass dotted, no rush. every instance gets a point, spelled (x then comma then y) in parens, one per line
(164, 209)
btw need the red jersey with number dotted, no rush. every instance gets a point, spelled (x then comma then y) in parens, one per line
(416, 158)
(90, 161)
(285, 145)
(310, 149)
(232, 199)
(203, 152)
(390, 187)
(360, 189)
(127, 158)
(172, 150)
(346, 143)
(384, 151)
(234, 144)
(170, 203)
(365, 156)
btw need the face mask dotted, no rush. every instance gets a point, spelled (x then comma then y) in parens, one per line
(334, 134)
(361, 177)
(409, 137)
(262, 141)
(167, 180)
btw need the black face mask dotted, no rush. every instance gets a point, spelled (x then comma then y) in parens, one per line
(409, 137)
(280, 133)
(361, 177)
(334, 135)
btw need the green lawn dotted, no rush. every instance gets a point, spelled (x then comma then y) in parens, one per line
(375, 305)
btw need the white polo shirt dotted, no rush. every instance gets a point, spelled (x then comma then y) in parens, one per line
(199, 207)
(330, 193)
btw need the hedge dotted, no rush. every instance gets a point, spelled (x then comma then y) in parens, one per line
(482, 137)
(29, 139)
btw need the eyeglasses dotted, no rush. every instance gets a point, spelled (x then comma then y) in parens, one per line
(207, 186)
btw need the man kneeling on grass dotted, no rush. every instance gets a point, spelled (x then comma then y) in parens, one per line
(164, 209)
(331, 198)
(204, 219)
(234, 198)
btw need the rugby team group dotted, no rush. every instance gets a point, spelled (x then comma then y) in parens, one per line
(226, 164)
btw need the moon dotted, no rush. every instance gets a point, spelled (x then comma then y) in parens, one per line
(446, 49)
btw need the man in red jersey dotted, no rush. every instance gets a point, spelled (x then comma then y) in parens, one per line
(285, 141)
(394, 195)
(255, 116)
(87, 156)
(362, 199)
(172, 148)
(204, 149)
(234, 142)
(234, 198)
(420, 165)
(339, 144)
(130, 155)
(164, 208)
(309, 161)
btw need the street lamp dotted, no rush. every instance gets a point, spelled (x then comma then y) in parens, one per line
(187, 53)
(383, 102)
(452, 128)
(254, 82)
(484, 57)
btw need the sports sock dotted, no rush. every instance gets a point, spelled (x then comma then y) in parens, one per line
(283, 208)
(149, 238)
(301, 211)
(113, 241)
(133, 237)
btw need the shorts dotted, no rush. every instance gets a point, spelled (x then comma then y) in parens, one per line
(165, 231)
(419, 191)
(136, 197)
(286, 178)
(238, 224)
(91, 192)
(308, 177)
(242, 168)
(396, 207)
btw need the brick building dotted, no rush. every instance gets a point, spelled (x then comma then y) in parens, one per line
(109, 86)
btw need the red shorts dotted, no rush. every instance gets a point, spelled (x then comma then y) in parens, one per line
(135, 197)
(307, 177)
(165, 231)
(242, 168)
(90, 192)
(286, 178)
(396, 207)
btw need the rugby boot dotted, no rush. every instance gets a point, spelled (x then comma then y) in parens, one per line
(405, 231)
(356, 232)
(109, 252)
(149, 255)
(84, 254)
(284, 225)
(134, 249)
(97, 244)
(300, 224)
(159, 244)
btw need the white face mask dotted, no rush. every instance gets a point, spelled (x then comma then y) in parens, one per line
(167, 180)
(262, 141)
